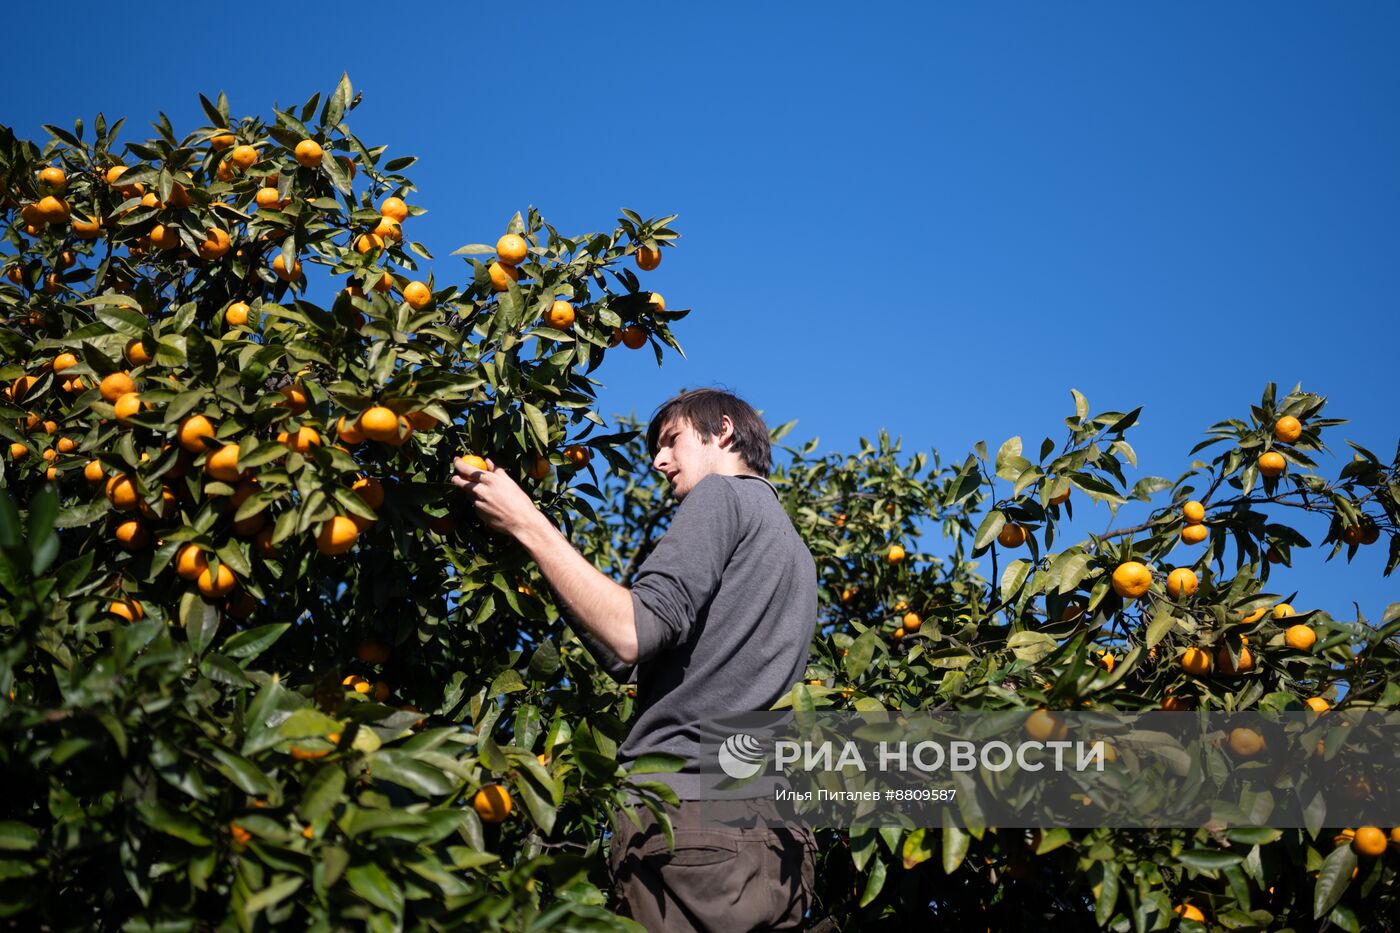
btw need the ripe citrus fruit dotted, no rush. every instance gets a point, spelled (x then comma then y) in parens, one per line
(512, 249)
(337, 535)
(1061, 499)
(417, 294)
(115, 386)
(348, 431)
(121, 492)
(268, 199)
(132, 535)
(368, 243)
(221, 140)
(64, 361)
(1227, 665)
(388, 229)
(1288, 429)
(1012, 535)
(136, 353)
(502, 275)
(54, 210)
(1190, 912)
(236, 314)
(1272, 463)
(280, 269)
(560, 315)
(190, 562)
(648, 258)
(93, 472)
(128, 609)
(1131, 579)
(370, 491)
(379, 423)
(1301, 637)
(578, 455)
(634, 336)
(1246, 742)
(1043, 725)
(86, 228)
(895, 554)
(192, 430)
(1182, 582)
(473, 462)
(1195, 661)
(1317, 704)
(1175, 704)
(912, 621)
(222, 464)
(1194, 534)
(540, 468)
(1283, 611)
(53, 177)
(127, 406)
(1369, 841)
(394, 208)
(492, 803)
(303, 439)
(308, 153)
(214, 584)
(1194, 512)
(163, 237)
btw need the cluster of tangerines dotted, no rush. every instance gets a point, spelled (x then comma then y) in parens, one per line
(1132, 580)
(512, 250)
(170, 230)
(1367, 842)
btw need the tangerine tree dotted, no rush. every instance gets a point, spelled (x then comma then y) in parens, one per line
(263, 666)
(262, 663)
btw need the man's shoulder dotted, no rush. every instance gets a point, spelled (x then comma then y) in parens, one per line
(743, 485)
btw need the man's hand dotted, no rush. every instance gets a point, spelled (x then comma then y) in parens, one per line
(592, 600)
(502, 504)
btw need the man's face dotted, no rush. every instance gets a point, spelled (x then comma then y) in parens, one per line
(682, 457)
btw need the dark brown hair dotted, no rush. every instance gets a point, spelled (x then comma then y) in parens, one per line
(704, 410)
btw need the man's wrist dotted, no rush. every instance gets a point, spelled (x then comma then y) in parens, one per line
(536, 532)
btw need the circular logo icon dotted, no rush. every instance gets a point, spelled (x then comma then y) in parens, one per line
(741, 756)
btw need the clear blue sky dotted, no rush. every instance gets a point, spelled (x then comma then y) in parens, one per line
(934, 218)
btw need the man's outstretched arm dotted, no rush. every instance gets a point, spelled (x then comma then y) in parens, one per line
(593, 601)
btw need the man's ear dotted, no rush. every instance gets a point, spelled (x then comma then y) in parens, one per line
(726, 432)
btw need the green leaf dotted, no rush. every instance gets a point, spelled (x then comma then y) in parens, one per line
(242, 772)
(1031, 646)
(370, 883)
(200, 619)
(248, 645)
(161, 819)
(878, 872)
(272, 895)
(17, 837)
(1160, 625)
(1332, 880)
(1209, 859)
(917, 849)
(322, 793)
(538, 425)
(955, 845)
(408, 772)
(125, 322)
(991, 526)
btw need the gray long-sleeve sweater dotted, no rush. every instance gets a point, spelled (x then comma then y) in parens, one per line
(726, 607)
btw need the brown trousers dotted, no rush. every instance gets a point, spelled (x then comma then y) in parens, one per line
(747, 876)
